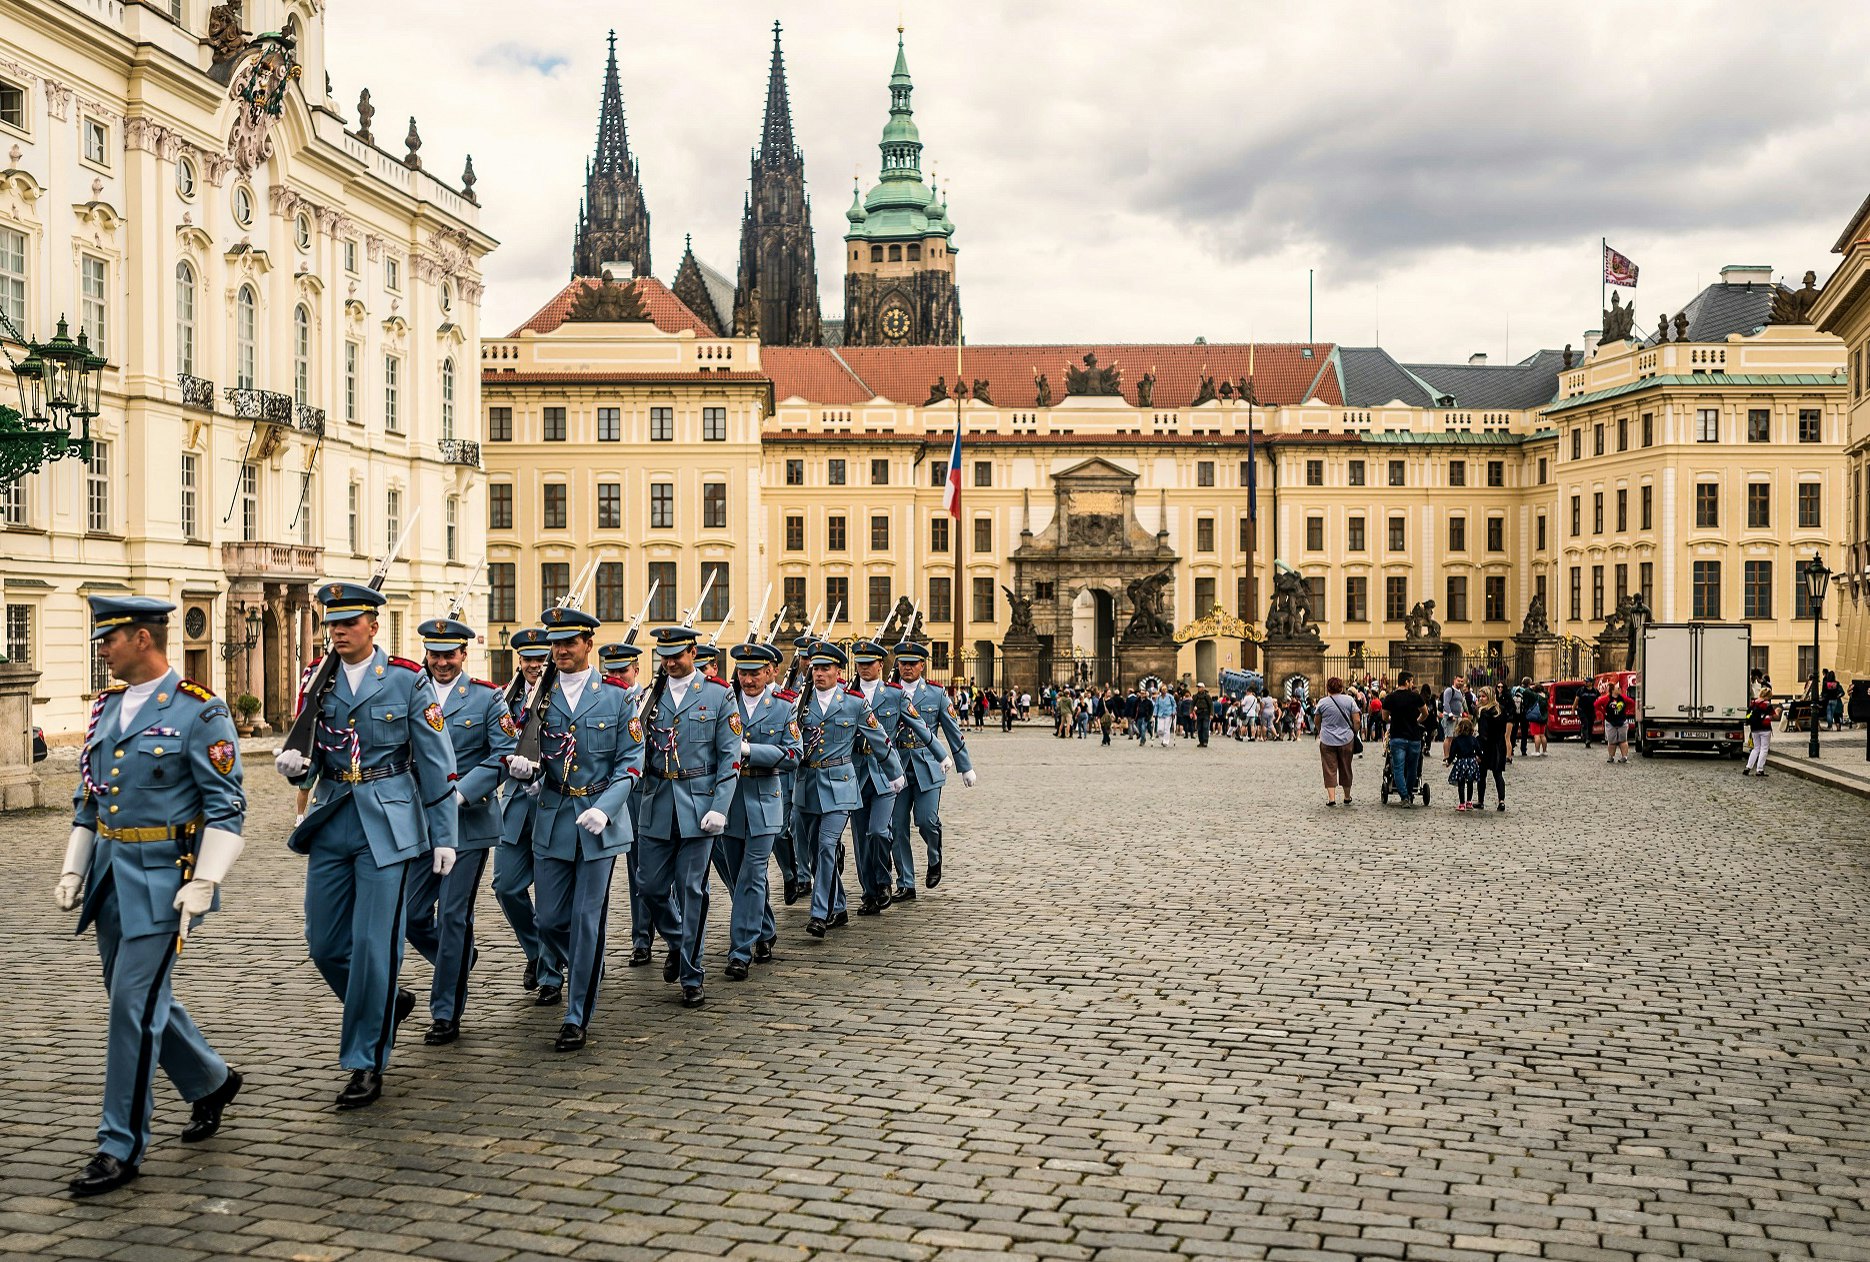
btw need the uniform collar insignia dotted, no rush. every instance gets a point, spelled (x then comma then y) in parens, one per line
(161, 697)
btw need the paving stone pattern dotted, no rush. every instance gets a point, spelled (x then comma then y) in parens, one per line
(1163, 1004)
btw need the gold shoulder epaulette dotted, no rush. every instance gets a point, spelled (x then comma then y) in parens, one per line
(199, 692)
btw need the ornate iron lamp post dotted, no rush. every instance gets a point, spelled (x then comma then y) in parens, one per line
(59, 382)
(234, 648)
(1817, 579)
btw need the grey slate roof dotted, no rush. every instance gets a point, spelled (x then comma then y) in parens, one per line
(1721, 309)
(1371, 377)
(720, 293)
(1531, 383)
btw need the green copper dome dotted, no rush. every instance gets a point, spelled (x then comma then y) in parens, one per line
(901, 207)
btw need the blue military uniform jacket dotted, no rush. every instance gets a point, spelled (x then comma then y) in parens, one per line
(179, 761)
(828, 777)
(591, 758)
(692, 760)
(384, 747)
(520, 806)
(925, 759)
(773, 745)
(483, 734)
(899, 720)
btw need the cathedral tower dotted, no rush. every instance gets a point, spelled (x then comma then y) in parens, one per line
(898, 251)
(613, 222)
(777, 296)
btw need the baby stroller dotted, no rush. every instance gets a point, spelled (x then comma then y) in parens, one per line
(1389, 780)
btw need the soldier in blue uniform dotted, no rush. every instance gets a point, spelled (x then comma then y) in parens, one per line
(592, 747)
(441, 908)
(926, 765)
(620, 661)
(708, 661)
(693, 766)
(512, 864)
(769, 748)
(872, 824)
(384, 803)
(832, 720)
(795, 860)
(156, 824)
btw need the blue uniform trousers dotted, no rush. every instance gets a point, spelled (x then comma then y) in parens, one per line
(741, 861)
(825, 832)
(574, 912)
(642, 924)
(441, 927)
(147, 1027)
(673, 872)
(795, 862)
(925, 806)
(871, 825)
(512, 881)
(354, 930)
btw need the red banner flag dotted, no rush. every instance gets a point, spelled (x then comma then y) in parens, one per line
(1618, 269)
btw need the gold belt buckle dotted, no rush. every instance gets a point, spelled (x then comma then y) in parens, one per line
(351, 777)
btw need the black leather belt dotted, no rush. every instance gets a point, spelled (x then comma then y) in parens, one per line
(827, 762)
(576, 791)
(909, 742)
(749, 773)
(677, 775)
(368, 774)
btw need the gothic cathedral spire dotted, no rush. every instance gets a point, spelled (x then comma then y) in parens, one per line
(777, 295)
(613, 222)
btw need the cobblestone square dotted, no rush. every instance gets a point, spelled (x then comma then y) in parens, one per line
(1164, 1003)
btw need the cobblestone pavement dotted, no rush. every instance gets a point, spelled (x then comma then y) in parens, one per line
(1163, 1004)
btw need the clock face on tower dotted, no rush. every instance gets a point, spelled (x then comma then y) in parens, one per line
(895, 323)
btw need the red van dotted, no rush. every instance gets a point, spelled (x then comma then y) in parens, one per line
(1629, 682)
(1561, 716)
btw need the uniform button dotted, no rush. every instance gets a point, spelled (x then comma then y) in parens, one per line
(157, 750)
(114, 790)
(120, 753)
(113, 809)
(116, 771)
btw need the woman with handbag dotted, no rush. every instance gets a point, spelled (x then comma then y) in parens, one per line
(1337, 739)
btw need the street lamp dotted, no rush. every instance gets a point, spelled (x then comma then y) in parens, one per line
(58, 382)
(1817, 579)
(234, 648)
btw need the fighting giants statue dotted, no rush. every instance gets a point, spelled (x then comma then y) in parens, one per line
(1289, 617)
(1148, 621)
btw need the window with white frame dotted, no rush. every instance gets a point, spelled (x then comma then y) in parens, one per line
(392, 380)
(19, 634)
(302, 232)
(392, 274)
(249, 502)
(185, 318)
(246, 337)
(350, 255)
(448, 399)
(305, 509)
(13, 106)
(13, 502)
(351, 354)
(453, 521)
(353, 527)
(96, 141)
(13, 277)
(94, 299)
(243, 205)
(1707, 425)
(392, 518)
(301, 355)
(185, 178)
(97, 489)
(191, 495)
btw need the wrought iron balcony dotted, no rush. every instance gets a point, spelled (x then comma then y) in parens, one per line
(460, 451)
(271, 560)
(197, 392)
(311, 420)
(267, 406)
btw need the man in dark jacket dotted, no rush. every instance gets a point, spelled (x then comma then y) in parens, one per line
(1586, 704)
(1204, 714)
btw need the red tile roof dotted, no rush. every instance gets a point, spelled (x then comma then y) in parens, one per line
(666, 311)
(1282, 373)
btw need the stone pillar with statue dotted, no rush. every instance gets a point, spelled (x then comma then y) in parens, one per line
(1535, 647)
(1293, 646)
(1147, 646)
(1421, 651)
(1616, 643)
(20, 786)
(1019, 650)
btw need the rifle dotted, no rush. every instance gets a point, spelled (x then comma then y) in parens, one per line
(798, 653)
(753, 624)
(532, 728)
(302, 735)
(896, 668)
(636, 623)
(661, 685)
(805, 694)
(458, 602)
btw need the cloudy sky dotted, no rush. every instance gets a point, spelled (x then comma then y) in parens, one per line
(1126, 172)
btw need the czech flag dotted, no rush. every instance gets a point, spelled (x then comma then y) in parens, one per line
(951, 499)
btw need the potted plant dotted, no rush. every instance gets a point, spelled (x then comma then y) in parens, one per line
(248, 705)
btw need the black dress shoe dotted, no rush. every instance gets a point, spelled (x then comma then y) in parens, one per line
(205, 1116)
(365, 1086)
(671, 968)
(903, 895)
(549, 997)
(816, 928)
(805, 889)
(640, 956)
(792, 892)
(840, 920)
(691, 997)
(103, 1173)
(934, 877)
(570, 1038)
(441, 1032)
(870, 906)
(405, 1004)
(531, 980)
(762, 952)
(736, 970)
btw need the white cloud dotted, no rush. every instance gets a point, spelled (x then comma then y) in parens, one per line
(1121, 172)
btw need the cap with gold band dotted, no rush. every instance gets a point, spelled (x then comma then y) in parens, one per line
(344, 601)
(109, 613)
(529, 643)
(445, 635)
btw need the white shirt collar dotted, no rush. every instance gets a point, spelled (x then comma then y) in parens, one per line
(573, 686)
(133, 698)
(354, 674)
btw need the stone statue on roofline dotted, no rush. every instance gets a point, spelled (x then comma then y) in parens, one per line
(938, 393)
(1043, 389)
(1146, 390)
(980, 392)
(1795, 306)
(1619, 320)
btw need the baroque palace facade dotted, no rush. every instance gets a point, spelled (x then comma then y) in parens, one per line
(290, 311)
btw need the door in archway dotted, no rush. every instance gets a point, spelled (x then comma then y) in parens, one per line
(1105, 639)
(1207, 663)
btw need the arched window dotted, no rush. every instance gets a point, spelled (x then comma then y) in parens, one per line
(915, 253)
(896, 254)
(301, 354)
(246, 336)
(876, 254)
(185, 318)
(448, 398)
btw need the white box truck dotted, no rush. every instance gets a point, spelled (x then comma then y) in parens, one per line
(1694, 686)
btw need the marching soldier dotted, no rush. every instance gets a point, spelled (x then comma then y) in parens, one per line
(593, 749)
(441, 908)
(156, 826)
(795, 858)
(926, 765)
(693, 737)
(872, 825)
(384, 802)
(620, 663)
(708, 661)
(832, 719)
(512, 864)
(769, 748)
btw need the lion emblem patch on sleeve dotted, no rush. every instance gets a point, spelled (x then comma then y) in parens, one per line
(508, 726)
(792, 730)
(636, 729)
(733, 724)
(871, 718)
(433, 714)
(221, 757)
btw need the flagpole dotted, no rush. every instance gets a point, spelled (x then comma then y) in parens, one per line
(1603, 275)
(961, 585)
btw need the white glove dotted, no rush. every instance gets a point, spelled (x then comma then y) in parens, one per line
(532, 789)
(216, 854)
(77, 863)
(896, 785)
(521, 768)
(593, 821)
(194, 899)
(713, 822)
(70, 885)
(297, 820)
(745, 749)
(459, 800)
(444, 860)
(291, 764)
(968, 778)
(947, 763)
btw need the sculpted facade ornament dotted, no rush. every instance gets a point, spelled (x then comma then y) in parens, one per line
(1795, 306)
(1092, 380)
(1217, 624)
(373, 247)
(981, 394)
(1019, 612)
(1289, 615)
(1619, 320)
(1206, 394)
(1146, 390)
(57, 100)
(1535, 623)
(1147, 619)
(1044, 392)
(1420, 624)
